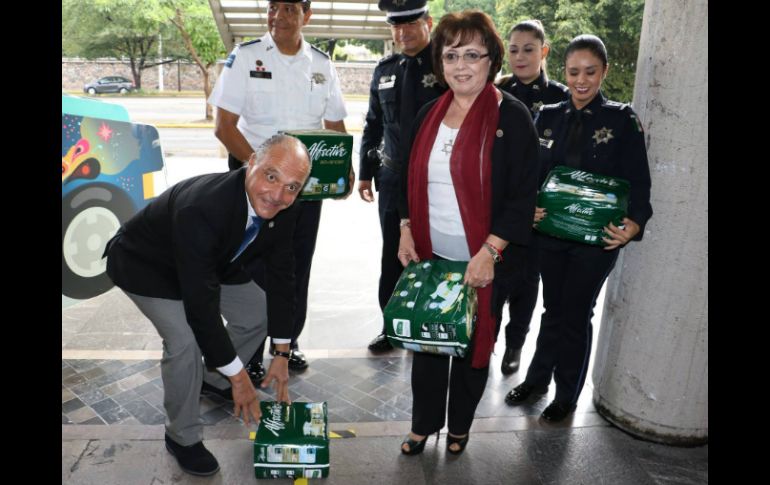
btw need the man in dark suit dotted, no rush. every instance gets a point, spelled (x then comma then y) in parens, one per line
(184, 260)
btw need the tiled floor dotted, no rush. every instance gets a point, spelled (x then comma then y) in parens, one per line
(372, 389)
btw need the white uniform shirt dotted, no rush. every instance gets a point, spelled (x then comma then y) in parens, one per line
(272, 92)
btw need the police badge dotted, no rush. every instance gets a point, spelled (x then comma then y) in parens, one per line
(429, 80)
(603, 135)
(318, 78)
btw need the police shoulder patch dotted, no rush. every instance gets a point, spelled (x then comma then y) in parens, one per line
(255, 41)
(387, 59)
(319, 51)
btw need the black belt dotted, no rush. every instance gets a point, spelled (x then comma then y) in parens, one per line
(385, 160)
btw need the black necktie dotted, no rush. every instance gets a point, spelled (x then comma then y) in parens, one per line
(574, 146)
(408, 108)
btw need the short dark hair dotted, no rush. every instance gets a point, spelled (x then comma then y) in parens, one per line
(588, 42)
(533, 26)
(458, 29)
(305, 4)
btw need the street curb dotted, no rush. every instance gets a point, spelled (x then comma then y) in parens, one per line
(357, 129)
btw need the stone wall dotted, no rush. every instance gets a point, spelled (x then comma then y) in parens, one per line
(354, 77)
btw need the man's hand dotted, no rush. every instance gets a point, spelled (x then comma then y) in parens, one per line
(279, 372)
(245, 397)
(365, 190)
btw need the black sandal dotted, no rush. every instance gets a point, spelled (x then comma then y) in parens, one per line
(415, 447)
(451, 440)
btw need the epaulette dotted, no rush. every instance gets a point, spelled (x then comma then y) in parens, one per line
(319, 51)
(502, 80)
(244, 44)
(560, 86)
(615, 105)
(554, 106)
(385, 60)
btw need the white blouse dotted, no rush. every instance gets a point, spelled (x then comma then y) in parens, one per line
(447, 234)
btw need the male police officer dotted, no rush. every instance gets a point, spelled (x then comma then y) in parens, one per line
(401, 84)
(274, 83)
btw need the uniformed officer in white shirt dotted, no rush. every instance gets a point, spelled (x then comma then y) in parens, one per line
(274, 83)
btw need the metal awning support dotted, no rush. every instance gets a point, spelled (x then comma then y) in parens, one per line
(239, 20)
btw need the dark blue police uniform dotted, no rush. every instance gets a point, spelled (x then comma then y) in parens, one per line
(523, 299)
(382, 153)
(611, 142)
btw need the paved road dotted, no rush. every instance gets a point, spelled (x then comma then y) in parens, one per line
(157, 110)
(201, 142)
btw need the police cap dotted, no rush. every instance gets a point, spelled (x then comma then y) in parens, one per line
(402, 11)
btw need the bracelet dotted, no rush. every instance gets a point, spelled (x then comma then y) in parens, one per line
(405, 223)
(497, 257)
(281, 354)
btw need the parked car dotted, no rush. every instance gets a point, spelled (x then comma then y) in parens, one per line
(109, 84)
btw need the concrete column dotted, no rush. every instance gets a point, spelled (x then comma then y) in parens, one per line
(651, 370)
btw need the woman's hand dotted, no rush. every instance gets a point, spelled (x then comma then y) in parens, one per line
(481, 269)
(539, 215)
(617, 236)
(406, 249)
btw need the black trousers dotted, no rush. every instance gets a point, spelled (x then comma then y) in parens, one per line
(387, 202)
(431, 377)
(573, 275)
(522, 300)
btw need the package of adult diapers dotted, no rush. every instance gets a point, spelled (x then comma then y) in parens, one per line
(431, 310)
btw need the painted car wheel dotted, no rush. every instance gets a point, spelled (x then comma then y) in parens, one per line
(90, 217)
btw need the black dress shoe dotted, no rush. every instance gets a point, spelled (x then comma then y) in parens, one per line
(226, 394)
(194, 459)
(256, 372)
(521, 393)
(380, 343)
(511, 361)
(297, 360)
(557, 411)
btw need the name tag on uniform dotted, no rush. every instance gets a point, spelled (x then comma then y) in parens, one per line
(261, 74)
(387, 85)
(546, 143)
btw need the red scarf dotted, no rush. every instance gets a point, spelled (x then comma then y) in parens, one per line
(471, 168)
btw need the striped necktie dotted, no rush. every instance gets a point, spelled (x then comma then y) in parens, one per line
(249, 235)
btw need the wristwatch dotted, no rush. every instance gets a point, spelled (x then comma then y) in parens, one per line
(495, 255)
(281, 354)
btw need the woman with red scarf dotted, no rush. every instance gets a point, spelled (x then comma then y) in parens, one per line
(468, 194)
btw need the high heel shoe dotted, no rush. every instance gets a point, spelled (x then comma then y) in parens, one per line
(451, 440)
(416, 447)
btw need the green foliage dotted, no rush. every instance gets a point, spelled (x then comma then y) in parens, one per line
(193, 18)
(617, 22)
(116, 28)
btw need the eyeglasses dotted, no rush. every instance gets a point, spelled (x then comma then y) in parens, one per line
(470, 57)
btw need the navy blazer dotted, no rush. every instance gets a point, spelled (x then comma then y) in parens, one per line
(514, 180)
(180, 247)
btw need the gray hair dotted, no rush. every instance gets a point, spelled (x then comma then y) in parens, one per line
(279, 139)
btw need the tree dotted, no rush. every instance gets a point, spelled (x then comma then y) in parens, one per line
(195, 23)
(617, 22)
(113, 28)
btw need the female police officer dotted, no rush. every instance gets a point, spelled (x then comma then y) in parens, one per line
(529, 83)
(593, 134)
